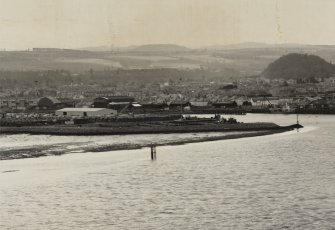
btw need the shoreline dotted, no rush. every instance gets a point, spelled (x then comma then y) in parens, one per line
(40, 151)
(186, 141)
(78, 130)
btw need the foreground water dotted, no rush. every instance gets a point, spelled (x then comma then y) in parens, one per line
(281, 181)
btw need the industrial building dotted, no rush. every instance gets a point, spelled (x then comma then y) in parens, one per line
(85, 112)
(228, 104)
(105, 102)
(50, 103)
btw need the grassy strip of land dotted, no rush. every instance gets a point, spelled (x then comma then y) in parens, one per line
(139, 129)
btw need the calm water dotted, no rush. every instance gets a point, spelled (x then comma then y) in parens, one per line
(282, 181)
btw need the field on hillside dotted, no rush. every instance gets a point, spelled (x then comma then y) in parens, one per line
(242, 62)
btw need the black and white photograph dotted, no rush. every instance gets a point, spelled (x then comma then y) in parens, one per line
(167, 114)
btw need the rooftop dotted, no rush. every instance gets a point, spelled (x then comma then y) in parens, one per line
(81, 109)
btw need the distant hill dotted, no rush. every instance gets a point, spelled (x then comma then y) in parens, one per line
(235, 61)
(246, 45)
(160, 48)
(108, 48)
(299, 66)
(163, 48)
(255, 45)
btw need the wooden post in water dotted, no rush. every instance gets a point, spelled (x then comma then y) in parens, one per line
(153, 152)
(297, 122)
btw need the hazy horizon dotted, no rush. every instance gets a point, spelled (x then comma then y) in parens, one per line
(232, 45)
(74, 24)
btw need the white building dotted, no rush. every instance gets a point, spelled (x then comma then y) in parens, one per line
(85, 112)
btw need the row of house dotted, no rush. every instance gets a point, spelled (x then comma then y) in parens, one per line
(107, 106)
(111, 105)
(120, 104)
(16, 104)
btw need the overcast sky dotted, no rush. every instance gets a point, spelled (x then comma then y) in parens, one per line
(193, 23)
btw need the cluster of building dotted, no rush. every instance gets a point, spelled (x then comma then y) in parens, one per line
(247, 95)
(112, 105)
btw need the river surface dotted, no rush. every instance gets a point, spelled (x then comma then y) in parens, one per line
(280, 181)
